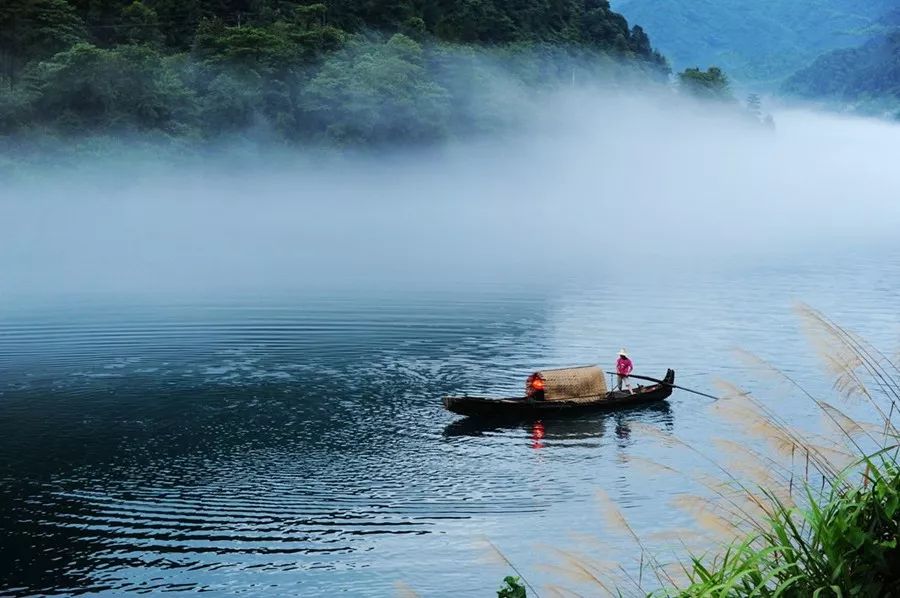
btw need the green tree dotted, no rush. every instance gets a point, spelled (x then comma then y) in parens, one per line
(276, 48)
(377, 92)
(311, 16)
(231, 103)
(180, 18)
(255, 48)
(96, 88)
(252, 75)
(476, 21)
(103, 19)
(709, 84)
(14, 109)
(233, 12)
(640, 42)
(139, 25)
(35, 29)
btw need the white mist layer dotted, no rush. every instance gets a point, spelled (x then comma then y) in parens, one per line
(600, 185)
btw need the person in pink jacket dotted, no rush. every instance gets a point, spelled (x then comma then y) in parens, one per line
(623, 368)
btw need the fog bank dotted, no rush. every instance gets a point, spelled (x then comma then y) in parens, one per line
(598, 185)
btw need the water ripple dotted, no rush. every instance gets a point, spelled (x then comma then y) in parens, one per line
(298, 447)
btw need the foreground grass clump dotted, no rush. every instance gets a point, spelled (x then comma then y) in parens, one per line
(512, 588)
(793, 514)
(846, 547)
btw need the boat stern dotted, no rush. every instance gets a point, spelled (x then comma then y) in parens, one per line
(670, 376)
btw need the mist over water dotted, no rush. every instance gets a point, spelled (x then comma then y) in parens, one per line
(222, 373)
(597, 183)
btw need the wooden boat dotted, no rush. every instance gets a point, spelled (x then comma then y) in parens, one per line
(563, 426)
(541, 401)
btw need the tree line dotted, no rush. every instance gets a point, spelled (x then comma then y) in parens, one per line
(341, 71)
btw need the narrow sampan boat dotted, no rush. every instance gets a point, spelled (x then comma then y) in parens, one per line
(563, 391)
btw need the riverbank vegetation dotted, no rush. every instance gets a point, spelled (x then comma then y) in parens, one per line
(335, 72)
(794, 512)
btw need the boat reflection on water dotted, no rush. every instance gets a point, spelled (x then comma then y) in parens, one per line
(544, 430)
(537, 435)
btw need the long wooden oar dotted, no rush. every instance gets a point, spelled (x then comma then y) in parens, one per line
(696, 392)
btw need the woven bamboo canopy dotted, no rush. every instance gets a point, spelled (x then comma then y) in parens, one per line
(570, 384)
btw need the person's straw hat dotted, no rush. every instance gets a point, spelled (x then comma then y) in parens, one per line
(623, 353)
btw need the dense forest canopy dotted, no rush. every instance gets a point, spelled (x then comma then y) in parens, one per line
(757, 43)
(341, 70)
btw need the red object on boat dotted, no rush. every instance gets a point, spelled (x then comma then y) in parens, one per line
(534, 385)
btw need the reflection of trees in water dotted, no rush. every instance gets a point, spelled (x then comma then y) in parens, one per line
(568, 427)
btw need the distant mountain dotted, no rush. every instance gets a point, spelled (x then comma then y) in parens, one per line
(866, 78)
(755, 42)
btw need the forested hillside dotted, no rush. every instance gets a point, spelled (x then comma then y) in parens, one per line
(866, 78)
(760, 43)
(342, 70)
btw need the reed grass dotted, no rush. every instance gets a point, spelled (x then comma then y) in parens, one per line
(810, 515)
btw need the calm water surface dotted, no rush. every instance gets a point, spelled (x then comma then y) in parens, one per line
(294, 444)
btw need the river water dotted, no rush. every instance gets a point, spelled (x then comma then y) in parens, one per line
(294, 444)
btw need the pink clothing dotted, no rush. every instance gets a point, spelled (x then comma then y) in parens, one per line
(624, 366)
